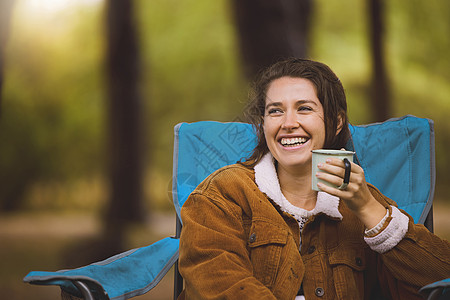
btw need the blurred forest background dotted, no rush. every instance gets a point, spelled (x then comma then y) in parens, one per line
(91, 91)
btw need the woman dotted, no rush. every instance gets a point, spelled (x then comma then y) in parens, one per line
(256, 230)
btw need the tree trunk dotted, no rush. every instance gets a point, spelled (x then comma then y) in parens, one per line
(270, 30)
(379, 89)
(125, 121)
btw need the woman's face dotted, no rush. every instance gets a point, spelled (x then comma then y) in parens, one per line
(293, 121)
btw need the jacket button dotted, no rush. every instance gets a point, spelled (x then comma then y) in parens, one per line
(358, 261)
(319, 292)
(311, 249)
(252, 238)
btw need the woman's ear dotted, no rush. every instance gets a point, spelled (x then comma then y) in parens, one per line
(340, 124)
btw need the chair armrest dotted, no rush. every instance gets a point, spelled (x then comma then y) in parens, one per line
(437, 290)
(122, 276)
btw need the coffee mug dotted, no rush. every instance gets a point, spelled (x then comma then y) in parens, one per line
(320, 156)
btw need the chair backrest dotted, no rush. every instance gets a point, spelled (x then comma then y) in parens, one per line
(201, 148)
(397, 157)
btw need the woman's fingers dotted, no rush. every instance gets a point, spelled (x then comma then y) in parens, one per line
(333, 171)
(337, 167)
(331, 178)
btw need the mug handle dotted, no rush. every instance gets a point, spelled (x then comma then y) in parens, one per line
(348, 169)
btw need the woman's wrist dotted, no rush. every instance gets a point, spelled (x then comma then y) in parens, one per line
(372, 213)
(377, 229)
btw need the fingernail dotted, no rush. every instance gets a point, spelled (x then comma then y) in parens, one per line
(328, 160)
(320, 165)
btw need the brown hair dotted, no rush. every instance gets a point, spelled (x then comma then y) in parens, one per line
(329, 91)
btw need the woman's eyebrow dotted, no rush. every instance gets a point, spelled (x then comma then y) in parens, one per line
(303, 101)
(298, 102)
(273, 104)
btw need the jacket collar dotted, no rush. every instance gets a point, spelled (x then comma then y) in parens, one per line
(267, 180)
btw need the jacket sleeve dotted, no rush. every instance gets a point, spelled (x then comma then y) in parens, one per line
(214, 258)
(418, 259)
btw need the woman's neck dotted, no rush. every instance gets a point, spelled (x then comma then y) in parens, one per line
(295, 184)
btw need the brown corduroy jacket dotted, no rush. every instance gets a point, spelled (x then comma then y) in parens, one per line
(237, 244)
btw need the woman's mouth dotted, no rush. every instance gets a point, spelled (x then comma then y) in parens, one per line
(293, 142)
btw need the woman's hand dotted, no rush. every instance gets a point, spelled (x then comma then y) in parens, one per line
(356, 195)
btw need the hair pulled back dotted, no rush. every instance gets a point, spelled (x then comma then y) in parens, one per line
(329, 91)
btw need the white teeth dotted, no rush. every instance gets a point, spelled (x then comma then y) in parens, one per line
(292, 141)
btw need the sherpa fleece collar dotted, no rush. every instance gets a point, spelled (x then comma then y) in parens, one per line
(267, 180)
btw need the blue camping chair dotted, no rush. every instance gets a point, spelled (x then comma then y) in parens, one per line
(397, 156)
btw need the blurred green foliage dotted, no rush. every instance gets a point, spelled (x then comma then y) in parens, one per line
(52, 127)
(191, 70)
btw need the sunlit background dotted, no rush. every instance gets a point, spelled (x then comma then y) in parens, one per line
(53, 144)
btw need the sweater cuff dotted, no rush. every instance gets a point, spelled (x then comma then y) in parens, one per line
(391, 235)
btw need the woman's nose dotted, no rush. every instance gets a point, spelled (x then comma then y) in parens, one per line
(290, 121)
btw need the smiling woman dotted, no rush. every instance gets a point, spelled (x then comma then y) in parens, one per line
(327, 91)
(293, 122)
(271, 236)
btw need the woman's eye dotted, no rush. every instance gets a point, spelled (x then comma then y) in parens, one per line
(273, 111)
(305, 108)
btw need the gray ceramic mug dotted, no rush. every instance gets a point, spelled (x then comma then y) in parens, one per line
(320, 156)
